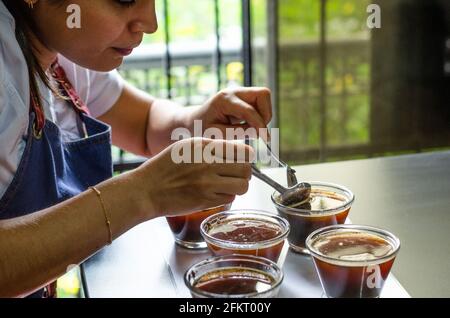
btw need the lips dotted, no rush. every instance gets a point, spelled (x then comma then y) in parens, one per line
(124, 51)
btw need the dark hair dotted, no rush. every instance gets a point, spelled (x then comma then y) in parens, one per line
(25, 26)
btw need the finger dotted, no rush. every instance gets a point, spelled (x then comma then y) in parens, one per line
(221, 199)
(259, 98)
(228, 151)
(241, 110)
(231, 186)
(233, 170)
(204, 150)
(241, 132)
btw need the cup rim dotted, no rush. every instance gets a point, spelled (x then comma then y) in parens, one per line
(284, 224)
(231, 257)
(391, 238)
(304, 212)
(226, 207)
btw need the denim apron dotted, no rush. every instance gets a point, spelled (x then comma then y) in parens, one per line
(52, 170)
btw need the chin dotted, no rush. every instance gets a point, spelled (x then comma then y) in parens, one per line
(107, 68)
(100, 65)
(106, 65)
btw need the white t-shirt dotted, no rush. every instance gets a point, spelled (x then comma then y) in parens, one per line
(99, 91)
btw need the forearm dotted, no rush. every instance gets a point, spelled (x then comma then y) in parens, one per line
(164, 117)
(38, 248)
(142, 124)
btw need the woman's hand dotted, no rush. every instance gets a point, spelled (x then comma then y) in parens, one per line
(234, 108)
(169, 188)
(147, 127)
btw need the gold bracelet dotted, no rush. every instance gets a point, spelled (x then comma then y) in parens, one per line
(108, 222)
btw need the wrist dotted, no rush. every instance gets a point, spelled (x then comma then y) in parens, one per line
(139, 203)
(187, 117)
(145, 195)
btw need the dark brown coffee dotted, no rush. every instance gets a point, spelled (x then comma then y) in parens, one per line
(235, 281)
(186, 228)
(311, 218)
(247, 231)
(353, 264)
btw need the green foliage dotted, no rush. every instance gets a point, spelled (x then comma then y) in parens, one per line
(348, 102)
(300, 19)
(347, 74)
(194, 20)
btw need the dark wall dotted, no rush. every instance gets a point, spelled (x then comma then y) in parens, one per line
(410, 89)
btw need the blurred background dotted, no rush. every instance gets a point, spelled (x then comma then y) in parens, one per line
(340, 89)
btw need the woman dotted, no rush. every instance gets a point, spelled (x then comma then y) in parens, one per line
(58, 202)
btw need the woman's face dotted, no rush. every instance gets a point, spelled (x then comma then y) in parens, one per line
(109, 29)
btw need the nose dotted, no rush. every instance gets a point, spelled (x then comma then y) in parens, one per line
(146, 20)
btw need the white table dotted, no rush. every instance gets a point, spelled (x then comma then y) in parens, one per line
(408, 195)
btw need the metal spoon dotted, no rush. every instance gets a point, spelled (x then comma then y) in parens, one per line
(299, 193)
(296, 193)
(290, 173)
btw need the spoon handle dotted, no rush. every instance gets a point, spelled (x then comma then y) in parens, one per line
(291, 177)
(257, 173)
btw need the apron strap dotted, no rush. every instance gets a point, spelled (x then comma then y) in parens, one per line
(66, 90)
(39, 118)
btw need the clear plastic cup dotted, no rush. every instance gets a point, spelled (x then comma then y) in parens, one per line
(234, 276)
(186, 228)
(329, 204)
(250, 232)
(353, 261)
